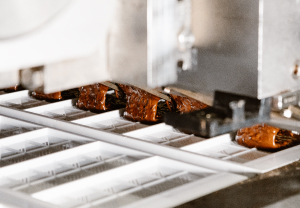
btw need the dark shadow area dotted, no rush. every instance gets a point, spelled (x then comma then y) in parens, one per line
(260, 191)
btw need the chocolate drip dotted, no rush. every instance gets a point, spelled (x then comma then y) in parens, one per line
(186, 104)
(140, 105)
(262, 136)
(93, 97)
(48, 97)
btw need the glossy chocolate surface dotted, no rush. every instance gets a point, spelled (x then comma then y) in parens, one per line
(48, 97)
(186, 104)
(14, 88)
(263, 136)
(140, 105)
(93, 97)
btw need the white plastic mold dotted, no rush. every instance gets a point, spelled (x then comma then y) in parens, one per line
(20, 100)
(44, 160)
(221, 148)
(58, 168)
(130, 142)
(164, 134)
(152, 182)
(26, 146)
(112, 121)
(10, 127)
(63, 110)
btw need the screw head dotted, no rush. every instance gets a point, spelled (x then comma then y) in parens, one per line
(186, 40)
(296, 72)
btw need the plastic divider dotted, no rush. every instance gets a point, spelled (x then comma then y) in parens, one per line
(154, 178)
(220, 147)
(20, 100)
(133, 143)
(112, 121)
(64, 110)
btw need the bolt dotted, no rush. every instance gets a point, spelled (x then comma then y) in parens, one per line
(186, 40)
(208, 116)
(296, 72)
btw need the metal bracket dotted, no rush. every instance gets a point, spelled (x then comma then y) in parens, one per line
(284, 100)
(229, 112)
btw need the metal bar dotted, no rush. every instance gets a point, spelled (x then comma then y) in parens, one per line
(125, 141)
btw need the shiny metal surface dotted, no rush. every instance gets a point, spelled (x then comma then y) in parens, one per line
(127, 42)
(279, 47)
(284, 100)
(227, 37)
(245, 47)
(143, 41)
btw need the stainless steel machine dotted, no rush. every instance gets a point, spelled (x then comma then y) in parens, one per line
(241, 54)
(242, 47)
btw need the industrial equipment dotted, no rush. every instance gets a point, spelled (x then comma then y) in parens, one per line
(239, 56)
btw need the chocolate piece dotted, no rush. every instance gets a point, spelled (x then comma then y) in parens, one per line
(266, 137)
(95, 98)
(92, 97)
(140, 105)
(15, 88)
(54, 97)
(146, 107)
(48, 97)
(186, 104)
(70, 94)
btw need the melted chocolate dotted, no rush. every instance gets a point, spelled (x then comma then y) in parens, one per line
(93, 97)
(146, 107)
(262, 136)
(140, 105)
(14, 88)
(186, 104)
(48, 97)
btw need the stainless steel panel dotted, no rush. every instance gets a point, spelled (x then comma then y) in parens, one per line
(127, 42)
(227, 37)
(143, 41)
(280, 42)
(245, 47)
